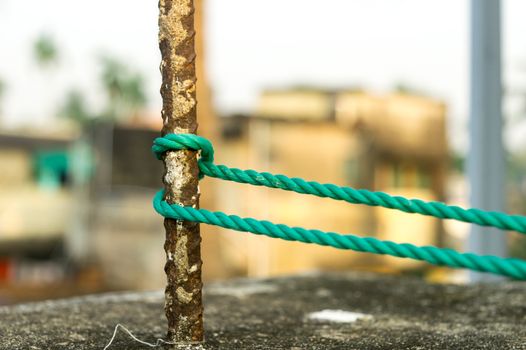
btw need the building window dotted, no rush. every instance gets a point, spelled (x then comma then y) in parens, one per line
(51, 169)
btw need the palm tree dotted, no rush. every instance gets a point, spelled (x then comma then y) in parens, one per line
(45, 50)
(74, 107)
(124, 89)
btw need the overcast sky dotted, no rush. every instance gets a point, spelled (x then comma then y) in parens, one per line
(253, 44)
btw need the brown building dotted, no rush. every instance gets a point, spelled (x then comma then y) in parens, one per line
(71, 203)
(91, 196)
(394, 143)
(34, 191)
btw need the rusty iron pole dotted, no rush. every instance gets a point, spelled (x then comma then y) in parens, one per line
(183, 296)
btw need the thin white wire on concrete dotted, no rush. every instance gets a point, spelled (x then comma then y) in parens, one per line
(158, 343)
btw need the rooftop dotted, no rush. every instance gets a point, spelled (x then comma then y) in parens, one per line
(329, 311)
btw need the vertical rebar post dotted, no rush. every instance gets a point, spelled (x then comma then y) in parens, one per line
(183, 299)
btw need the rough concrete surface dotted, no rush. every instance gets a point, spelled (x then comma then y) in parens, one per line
(396, 313)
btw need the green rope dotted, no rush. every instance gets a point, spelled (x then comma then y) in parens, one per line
(446, 257)
(438, 256)
(348, 194)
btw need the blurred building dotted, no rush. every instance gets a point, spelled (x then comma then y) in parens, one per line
(35, 207)
(34, 184)
(77, 206)
(120, 232)
(394, 143)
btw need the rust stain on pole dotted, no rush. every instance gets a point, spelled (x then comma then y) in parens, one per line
(183, 299)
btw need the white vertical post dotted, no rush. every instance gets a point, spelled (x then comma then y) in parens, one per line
(485, 161)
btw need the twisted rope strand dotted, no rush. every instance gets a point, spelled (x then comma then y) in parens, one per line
(370, 198)
(438, 256)
(508, 267)
(348, 194)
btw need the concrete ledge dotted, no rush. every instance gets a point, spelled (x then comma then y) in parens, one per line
(325, 311)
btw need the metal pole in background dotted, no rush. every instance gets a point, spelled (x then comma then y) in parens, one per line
(183, 294)
(485, 161)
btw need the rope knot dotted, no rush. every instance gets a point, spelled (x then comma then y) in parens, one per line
(175, 142)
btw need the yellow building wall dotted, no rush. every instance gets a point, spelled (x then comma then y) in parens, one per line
(19, 195)
(15, 168)
(284, 140)
(405, 124)
(314, 151)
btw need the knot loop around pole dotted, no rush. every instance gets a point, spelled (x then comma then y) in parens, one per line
(176, 142)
